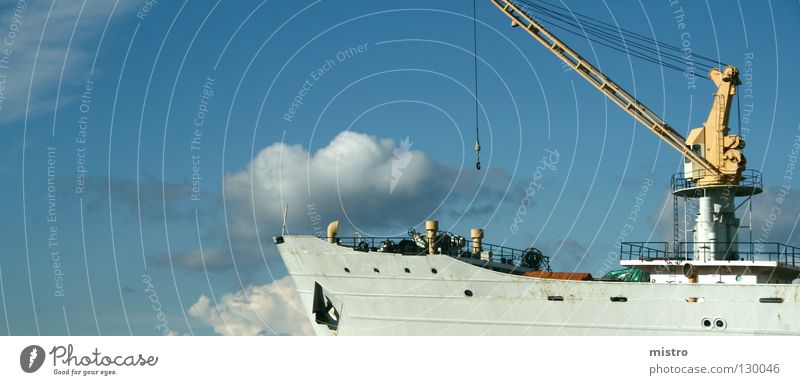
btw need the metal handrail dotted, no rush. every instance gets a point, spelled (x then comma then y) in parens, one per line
(750, 178)
(749, 251)
(372, 243)
(496, 253)
(644, 250)
(741, 251)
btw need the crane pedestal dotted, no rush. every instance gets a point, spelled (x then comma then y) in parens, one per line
(716, 226)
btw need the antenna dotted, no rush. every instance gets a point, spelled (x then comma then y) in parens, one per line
(285, 211)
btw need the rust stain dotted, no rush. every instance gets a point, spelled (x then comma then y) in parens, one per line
(560, 275)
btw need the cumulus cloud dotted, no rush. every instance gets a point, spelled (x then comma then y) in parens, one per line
(374, 186)
(270, 309)
(372, 181)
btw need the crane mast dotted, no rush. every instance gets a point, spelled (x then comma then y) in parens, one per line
(713, 156)
(714, 164)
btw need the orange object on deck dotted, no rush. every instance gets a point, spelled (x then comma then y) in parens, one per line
(559, 275)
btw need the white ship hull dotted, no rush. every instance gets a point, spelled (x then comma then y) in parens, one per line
(378, 297)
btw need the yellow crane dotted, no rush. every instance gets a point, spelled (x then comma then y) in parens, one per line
(713, 156)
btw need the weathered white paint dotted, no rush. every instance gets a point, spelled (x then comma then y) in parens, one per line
(393, 302)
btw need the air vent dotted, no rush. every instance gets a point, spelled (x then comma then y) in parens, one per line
(555, 298)
(619, 299)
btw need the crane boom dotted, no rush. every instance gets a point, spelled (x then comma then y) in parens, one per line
(622, 98)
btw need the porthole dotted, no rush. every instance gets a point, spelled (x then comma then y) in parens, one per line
(407, 270)
(619, 299)
(434, 271)
(346, 270)
(720, 323)
(375, 269)
(707, 324)
(468, 293)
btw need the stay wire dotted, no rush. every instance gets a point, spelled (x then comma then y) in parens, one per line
(635, 54)
(623, 35)
(613, 39)
(613, 28)
(666, 61)
(614, 44)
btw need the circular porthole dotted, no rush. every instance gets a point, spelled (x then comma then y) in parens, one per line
(407, 270)
(375, 269)
(434, 271)
(707, 324)
(720, 323)
(739, 278)
(346, 270)
(468, 293)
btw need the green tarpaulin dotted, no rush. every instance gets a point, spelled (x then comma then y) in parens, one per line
(628, 275)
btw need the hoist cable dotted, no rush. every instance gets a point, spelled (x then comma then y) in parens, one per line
(475, 71)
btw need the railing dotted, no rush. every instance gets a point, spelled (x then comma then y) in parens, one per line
(502, 254)
(369, 243)
(644, 250)
(743, 251)
(407, 246)
(750, 178)
(735, 251)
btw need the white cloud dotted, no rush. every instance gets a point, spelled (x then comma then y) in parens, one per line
(356, 178)
(353, 175)
(29, 23)
(273, 308)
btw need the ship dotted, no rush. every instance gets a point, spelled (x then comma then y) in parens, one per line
(437, 283)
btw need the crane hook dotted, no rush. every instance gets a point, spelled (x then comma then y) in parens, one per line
(478, 154)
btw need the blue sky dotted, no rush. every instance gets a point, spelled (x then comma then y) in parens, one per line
(132, 105)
